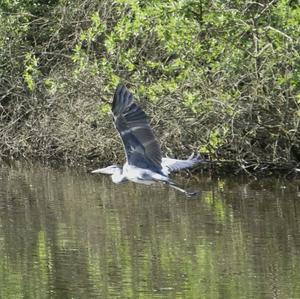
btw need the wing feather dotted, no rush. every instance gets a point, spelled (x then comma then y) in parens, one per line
(170, 165)
(141, 147)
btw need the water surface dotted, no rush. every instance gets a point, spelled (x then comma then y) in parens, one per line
(69, 234)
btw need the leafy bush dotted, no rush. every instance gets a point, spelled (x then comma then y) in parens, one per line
(219, 77)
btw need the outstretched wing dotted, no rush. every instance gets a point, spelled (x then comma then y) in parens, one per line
(170, 165)
(141, 147)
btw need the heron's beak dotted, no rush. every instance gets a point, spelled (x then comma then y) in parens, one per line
(106, 170)
(99, 170)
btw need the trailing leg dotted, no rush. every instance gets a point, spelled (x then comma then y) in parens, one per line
(187, 193)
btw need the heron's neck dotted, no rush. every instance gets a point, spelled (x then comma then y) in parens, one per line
(118, 177)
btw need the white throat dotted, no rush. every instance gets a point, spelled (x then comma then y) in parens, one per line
(118, 177)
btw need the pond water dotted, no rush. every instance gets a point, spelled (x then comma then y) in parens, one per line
(70, 234)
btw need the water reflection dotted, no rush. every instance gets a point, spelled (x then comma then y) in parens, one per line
(65, 234)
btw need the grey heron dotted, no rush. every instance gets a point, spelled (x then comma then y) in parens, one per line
(144, 162)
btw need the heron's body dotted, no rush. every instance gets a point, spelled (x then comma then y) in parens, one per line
(144, 162)
(142, 175)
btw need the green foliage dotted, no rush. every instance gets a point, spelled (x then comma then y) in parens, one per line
(105, 108)
(216, 140)
(31, 70)
(222, 76)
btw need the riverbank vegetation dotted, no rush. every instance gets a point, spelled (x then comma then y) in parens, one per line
(218, 77)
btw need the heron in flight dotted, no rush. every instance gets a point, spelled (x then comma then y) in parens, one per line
(144, 161)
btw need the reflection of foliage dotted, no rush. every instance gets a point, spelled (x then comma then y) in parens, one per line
(224, 74)
(66, 235)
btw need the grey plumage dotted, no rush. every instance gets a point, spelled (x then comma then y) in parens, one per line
(141, 147)
(144, 162)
